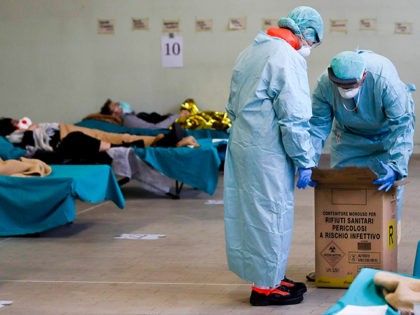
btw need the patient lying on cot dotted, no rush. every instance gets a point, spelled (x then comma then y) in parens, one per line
(74, 142)
(122, 114)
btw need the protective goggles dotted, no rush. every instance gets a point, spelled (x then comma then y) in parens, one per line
(309, 43)
(343, 83)
(310, 33)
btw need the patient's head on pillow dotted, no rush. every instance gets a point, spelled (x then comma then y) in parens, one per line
(7, 126)
(106, 109)
(111, 108)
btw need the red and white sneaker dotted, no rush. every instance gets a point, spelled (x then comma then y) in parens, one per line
(294, 287)
(276, 296)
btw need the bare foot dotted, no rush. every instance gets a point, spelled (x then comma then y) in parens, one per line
(188, 141)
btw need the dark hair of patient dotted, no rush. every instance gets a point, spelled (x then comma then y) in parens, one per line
(105, 110)
(6, 126)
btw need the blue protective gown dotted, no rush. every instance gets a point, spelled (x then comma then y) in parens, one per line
(270, 108)
(377, 125)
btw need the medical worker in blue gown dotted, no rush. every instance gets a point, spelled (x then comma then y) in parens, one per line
(370, 112)
(270, 108)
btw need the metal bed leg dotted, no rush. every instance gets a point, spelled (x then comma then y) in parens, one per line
(178, 188)
(123, 181)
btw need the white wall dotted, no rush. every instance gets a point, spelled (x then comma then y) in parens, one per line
(55, 67)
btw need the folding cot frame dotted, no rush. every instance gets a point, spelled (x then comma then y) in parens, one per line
(31, 205)
(178, 187)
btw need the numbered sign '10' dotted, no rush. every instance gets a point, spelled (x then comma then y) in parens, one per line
(172, 50)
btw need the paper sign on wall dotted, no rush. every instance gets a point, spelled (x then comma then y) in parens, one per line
(368, 24)
(172, 51)
(268, 23)
(140, 24)
(203, 25)
(106, 26)
(237, 24)
(403, 28)
(338, 26)
(170, 26)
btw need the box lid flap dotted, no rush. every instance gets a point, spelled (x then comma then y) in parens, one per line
(344, 176)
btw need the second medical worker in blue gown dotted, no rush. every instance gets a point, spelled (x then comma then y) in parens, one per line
(370, 111)
(270, 108)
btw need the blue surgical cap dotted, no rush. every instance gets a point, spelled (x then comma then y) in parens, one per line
(348, 65)
(306, 22)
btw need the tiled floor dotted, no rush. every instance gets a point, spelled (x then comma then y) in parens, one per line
(82, 269)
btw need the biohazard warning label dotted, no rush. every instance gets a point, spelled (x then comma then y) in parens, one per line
(332, 254)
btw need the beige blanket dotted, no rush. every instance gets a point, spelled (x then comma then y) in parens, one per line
(24, 167)
(113, 138)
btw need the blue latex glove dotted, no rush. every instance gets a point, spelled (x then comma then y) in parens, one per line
(305, 178)
(387, 180)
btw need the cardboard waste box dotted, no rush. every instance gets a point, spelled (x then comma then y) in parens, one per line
(355, 226)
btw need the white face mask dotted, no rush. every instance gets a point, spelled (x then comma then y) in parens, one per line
(304, 51)
(348, 93)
